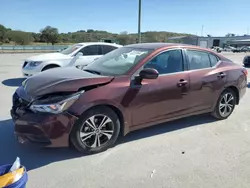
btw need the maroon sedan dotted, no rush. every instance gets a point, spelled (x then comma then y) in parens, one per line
(130, 88)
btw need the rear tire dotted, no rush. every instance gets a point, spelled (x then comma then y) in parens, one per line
(225, 104)
(96, 130)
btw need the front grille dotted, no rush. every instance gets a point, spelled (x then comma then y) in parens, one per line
(25, 63)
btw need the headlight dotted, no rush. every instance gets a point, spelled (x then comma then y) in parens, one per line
(56, 107)
(34, 63)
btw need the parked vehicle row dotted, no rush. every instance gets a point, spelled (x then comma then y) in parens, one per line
(229, 49)
(129, 88)
(241, 49)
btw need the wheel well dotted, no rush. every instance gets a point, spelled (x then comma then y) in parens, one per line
(236, 91)
(116, 110)
(120, 116)
(118, 113)
(50, 66)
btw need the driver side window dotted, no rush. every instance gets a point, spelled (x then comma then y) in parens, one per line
(167, 62)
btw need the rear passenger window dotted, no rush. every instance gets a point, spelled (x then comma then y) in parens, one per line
(106, 49)
(198, 59)
(91, 50)
(214, 60)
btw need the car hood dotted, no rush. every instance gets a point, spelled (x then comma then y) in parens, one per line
(48, 56)
(66, 79)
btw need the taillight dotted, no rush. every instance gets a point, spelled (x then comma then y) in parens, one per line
(245, 71)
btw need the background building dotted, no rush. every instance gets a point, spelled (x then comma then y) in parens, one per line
(208, 42)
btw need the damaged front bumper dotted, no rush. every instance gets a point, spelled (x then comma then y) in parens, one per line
(44, 129)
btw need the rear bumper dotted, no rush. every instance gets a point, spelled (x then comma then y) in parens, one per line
(243, 92)
(243, 88)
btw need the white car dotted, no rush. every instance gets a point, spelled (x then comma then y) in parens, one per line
(229, 49)
(88, 51)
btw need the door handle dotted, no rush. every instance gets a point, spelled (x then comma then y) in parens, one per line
(182, 83)
(221, 75)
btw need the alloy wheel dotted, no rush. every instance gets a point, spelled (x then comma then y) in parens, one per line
(226, 104)
(96, 131)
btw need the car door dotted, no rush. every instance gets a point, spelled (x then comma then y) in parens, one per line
(206, 81)
(90, 53)
(166, 96)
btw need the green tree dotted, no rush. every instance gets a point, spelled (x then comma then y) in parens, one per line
(230, 35)
(3, 31)
(50, 35)
(90, 31)
(36, 37)
(123, 38)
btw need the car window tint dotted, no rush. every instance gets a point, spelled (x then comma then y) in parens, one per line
(91, 50)
(198, 60)
(213, 59)
(167, 62)
(106, 49)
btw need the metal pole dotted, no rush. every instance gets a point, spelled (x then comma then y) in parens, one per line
(202, 30)
(139, 22)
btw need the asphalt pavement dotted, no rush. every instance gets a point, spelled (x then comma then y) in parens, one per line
(193, 152)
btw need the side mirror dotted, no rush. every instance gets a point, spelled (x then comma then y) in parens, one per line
(79, 54)
(72, 62)
(149, 73)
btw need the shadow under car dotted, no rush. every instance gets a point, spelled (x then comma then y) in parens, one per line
(13, 82)
(32, 157)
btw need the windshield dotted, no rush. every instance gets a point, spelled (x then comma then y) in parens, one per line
(118, 62)
(71, 49)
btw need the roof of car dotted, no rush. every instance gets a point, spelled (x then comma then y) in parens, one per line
(155, 45)
(98, 43)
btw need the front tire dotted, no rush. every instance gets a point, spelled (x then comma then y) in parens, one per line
(96, 130)
(225, 105)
